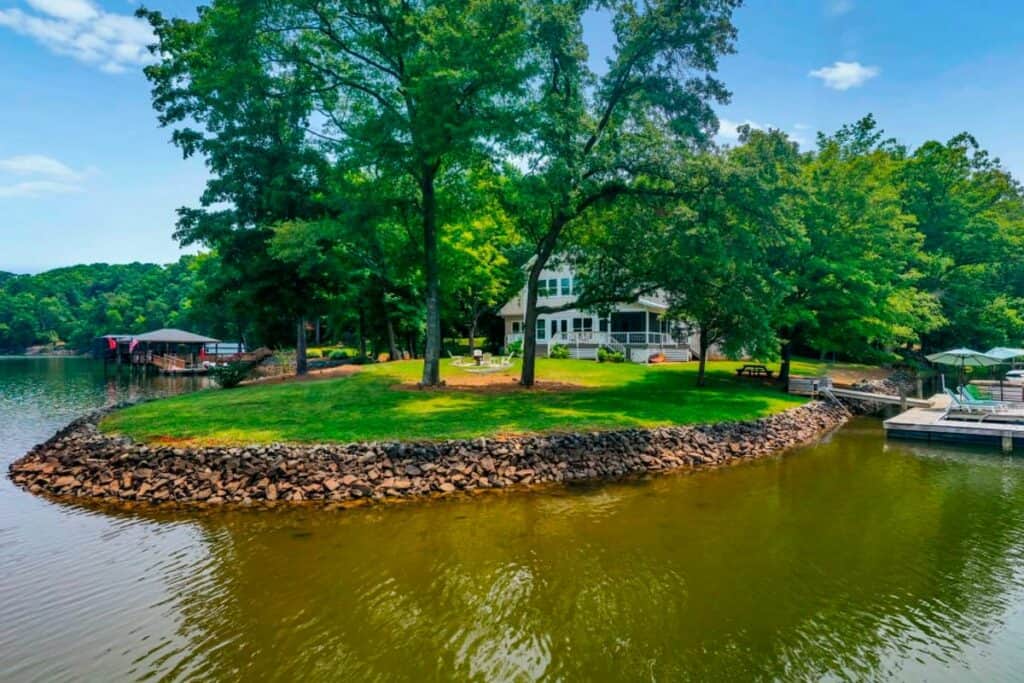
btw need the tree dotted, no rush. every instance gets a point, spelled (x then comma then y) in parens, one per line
(592, 139)
(854, 277)
(480, 251)
(216, 85)
(971, 213)
(410, 92)
(708, 251)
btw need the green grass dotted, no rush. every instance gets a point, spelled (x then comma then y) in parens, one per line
(367, 406)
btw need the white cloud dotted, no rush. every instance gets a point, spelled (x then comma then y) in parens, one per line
(81, 30)
(48, 176)
(729, 130)
(845, 75)
(838, 7)
(37, 164)
(72, 10)
(37, 188)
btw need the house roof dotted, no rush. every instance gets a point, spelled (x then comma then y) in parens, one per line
(169, 335)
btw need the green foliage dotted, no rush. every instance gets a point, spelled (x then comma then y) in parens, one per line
(515, 348)
(559, 351)
(76, 304)
(338, 354)
(607, 355)
(232, 374)
(596, 138)
(314, 353)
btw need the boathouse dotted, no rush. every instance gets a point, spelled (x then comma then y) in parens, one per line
(168, 349)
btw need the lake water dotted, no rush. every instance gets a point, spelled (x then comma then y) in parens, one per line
(852, 559)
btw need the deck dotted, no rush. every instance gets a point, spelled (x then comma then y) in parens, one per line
(928, 424)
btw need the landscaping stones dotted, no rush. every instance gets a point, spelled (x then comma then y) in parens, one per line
(80, 461)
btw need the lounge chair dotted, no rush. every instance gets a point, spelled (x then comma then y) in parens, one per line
(963, 404)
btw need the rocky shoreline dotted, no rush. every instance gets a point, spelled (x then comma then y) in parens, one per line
(81, 462)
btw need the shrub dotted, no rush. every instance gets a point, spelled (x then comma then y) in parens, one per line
(338, 354)
(559, 351)
(606, 355)
(362, 360)
(231, 375)
(314, 353)
(515, 348)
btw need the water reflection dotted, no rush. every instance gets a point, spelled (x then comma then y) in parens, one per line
(844, 562)
(850, 560)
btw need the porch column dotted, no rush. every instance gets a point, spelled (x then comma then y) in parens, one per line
(647, 327)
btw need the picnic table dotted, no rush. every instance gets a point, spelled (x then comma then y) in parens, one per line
(753, 370)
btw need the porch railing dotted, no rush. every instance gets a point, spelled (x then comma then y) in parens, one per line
(614, 339)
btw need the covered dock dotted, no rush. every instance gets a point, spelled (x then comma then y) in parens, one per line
(169, 350)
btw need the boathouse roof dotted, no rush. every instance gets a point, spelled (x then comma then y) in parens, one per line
(169, 335)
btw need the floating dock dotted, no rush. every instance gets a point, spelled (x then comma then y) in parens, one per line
(930, 424)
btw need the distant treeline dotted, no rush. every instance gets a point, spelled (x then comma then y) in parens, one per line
(73, 305)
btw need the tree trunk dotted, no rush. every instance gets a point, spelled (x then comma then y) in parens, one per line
(528, 375)
(703, 345)
(432, 352)
(301, 367)
(787, 357)
(393, 353)
(317, 331)
(472, 335)
(362, 332)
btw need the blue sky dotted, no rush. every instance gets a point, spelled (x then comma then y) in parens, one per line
(87, 175)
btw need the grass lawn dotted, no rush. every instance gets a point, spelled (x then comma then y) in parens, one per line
(369, 406)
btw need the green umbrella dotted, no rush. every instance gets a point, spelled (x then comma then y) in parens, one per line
(962, 358)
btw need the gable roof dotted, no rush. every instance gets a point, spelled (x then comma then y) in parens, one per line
(169, 335)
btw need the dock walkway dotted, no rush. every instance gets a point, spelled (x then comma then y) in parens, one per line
(929, 424)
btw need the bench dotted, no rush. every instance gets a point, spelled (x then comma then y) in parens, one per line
(754, 371)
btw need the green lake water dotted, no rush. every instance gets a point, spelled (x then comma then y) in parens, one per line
(852, 559)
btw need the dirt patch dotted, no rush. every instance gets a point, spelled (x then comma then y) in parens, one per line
(324, 373)
(494, 383)
(851, 376)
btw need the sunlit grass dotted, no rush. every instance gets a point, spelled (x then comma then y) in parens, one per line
(369, 406)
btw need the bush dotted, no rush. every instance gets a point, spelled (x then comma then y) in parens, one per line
(362, 360)
(559, 351)
(515, 348)
(606, 355)
(338, 354)
(314, 353)
(231, 375)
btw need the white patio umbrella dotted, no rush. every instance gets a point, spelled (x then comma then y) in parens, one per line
(962, 358)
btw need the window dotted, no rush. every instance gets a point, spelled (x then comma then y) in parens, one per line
(554, 328)
(604, 324)
(575, 289)
(566, 287)
(565, 325)
(553, 287)
(517, 327)
(542, 288)
(541, 329)
(582, 324)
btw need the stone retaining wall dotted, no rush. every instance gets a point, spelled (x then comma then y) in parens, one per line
(82, 462)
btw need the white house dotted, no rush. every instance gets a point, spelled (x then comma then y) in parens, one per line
(639, 328)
